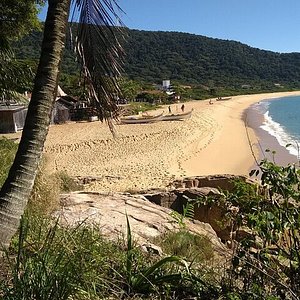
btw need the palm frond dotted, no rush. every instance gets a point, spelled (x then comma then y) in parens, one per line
(99, 52)
(5, 48)
(15, 76)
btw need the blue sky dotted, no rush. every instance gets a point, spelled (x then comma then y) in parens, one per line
(266, 24)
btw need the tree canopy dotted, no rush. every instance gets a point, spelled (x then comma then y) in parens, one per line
(18, 17)
(193, 60)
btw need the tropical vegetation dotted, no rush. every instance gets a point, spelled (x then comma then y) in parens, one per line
(49, 261)
(18, 18)
(98, 51)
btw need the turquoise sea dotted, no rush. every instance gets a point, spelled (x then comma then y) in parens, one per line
(282, 120)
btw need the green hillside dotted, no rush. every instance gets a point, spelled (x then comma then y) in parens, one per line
(197, 59)
(193, 60)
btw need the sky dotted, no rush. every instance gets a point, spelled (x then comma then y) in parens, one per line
(265, 24)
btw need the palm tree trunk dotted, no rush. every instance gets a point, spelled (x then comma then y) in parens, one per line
(16, 190)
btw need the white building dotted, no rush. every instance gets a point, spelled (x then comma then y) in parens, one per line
(166, 84)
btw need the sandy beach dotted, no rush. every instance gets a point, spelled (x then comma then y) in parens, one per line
(214, 140)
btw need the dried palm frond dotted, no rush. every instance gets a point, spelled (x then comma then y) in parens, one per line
(99, 53)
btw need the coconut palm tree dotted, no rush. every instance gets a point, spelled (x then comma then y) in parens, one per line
(98, 51)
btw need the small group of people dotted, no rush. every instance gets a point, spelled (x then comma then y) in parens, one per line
(182, 108)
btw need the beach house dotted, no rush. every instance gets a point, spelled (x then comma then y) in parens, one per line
(12, 118)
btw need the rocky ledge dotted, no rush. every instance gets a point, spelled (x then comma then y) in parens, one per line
(149, 213)
(147, 220)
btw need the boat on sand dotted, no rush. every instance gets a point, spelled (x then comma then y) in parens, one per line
(177, 116)
(140, 119)
(223, 98)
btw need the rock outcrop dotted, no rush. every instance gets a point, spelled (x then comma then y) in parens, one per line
(213, 214)
(147, 220)
(221, 181)
(149, 213)
(180, 191)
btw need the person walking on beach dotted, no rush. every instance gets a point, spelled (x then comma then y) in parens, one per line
(170, 109)
(182, 107)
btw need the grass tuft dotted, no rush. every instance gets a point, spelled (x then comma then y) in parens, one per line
(187, 245)
(8, 151)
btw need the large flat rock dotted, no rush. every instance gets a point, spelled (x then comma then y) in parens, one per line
(147, 220)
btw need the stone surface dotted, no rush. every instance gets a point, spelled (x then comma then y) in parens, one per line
(213, 214)
(149, 213)
(242, 233)
(147, 220)
(152, 249)
(223, 182)
(179, 191)
(176, 198)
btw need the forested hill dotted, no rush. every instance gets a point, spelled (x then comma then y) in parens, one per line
(198, 59)
(191, 59)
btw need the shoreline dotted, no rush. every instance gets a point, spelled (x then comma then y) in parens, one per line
(144, 156)
(229, 151)
(282, 156)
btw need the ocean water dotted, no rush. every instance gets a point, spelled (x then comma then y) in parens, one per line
(282, 120)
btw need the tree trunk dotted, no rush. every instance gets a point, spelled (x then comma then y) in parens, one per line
(16, 190)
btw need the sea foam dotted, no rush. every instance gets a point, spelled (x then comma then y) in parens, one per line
(278, 131)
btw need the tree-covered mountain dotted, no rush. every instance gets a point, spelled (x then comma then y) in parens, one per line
(191, 59)
(198, 59)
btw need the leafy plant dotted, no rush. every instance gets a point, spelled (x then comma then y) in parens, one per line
(46, 267)
(67, 183)
(152, 277)
(187, 213)
(275, 221)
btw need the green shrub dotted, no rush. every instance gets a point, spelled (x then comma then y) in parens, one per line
(266, 264)
(44, 197)
(48, 261)
(187, 214)
(187, 245)
(67, 183)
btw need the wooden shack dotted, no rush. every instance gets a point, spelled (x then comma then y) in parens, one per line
(12, 118)
(61, 110)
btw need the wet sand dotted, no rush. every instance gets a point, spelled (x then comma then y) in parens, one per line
(266, 141)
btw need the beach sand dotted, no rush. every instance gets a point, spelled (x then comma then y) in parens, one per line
(238, 143)
(214, 140)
